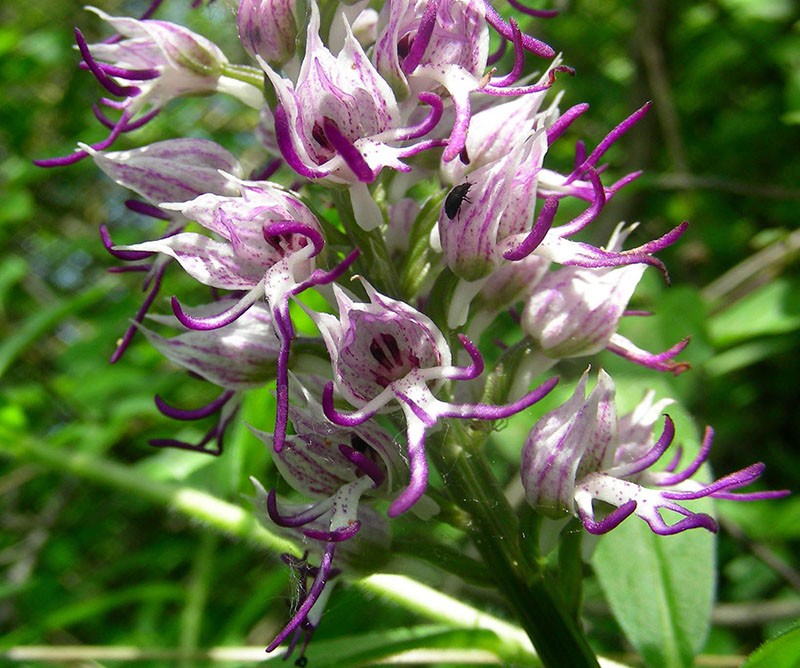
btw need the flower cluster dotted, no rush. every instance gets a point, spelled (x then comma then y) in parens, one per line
(423, 173)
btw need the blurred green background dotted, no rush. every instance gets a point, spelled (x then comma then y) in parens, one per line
(86, 558)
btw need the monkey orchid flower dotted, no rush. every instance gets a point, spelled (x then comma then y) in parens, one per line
(240, 356)
(335, 467)
(575, 310)
(340, 119)
(581, 453)
(269, 241)
(153, 63)
(384, 350)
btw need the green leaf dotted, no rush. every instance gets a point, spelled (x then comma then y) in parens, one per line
(660, 589)
(367, 649)
(772, 309)
(780, 652)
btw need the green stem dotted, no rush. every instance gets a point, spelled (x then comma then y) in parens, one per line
(374, 258)
(200, 506)
(556, 636)
(251, 75)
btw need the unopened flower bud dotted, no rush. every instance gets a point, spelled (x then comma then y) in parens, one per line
(268, 28)
(575, 311)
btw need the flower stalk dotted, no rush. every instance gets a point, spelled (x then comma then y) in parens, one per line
(555, 633)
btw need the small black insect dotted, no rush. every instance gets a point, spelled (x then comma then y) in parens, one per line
(455, 197)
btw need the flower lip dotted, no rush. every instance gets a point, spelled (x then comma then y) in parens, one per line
(380, 349)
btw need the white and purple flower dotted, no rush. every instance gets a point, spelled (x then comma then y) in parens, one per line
(335, 467)
(575, 311)
(153, 63)
(383, 351)
(268, 245)
(581, 453)
(340, 120)
(238, 357)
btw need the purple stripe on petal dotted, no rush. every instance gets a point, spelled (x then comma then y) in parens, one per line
(422, 38)
(351, 155)
(541, 227)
